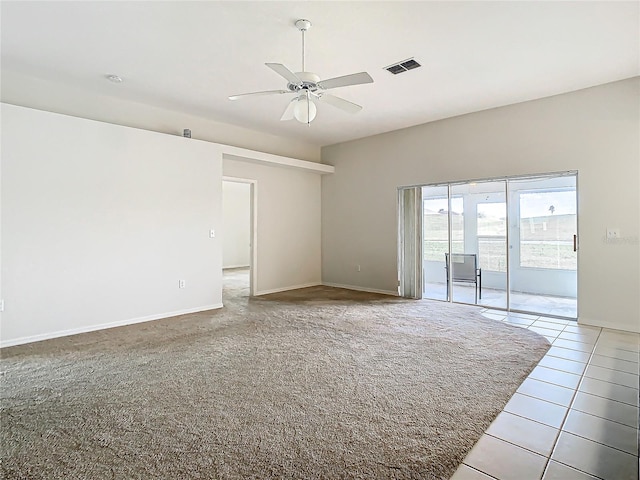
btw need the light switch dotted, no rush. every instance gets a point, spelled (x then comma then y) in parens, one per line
(613, 233)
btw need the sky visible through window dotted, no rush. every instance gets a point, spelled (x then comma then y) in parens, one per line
(541, 204)
(532, 204)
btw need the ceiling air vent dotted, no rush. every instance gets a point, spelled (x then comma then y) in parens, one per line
(403, 66)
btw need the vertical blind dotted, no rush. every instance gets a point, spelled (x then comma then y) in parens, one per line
(410, 242)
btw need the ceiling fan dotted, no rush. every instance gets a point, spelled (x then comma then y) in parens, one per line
(308, 88)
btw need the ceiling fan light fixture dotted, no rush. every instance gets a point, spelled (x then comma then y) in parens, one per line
(305, 109)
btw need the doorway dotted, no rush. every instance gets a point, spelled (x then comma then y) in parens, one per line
(508, 244)
(238, 242)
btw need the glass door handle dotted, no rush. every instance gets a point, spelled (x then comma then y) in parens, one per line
(575, 243)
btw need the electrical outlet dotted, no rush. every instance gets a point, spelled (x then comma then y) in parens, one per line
(181, 283)
(212, 233)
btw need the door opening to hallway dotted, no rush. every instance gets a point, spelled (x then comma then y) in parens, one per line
(238, 214)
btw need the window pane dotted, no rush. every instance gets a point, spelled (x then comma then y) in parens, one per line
(436, 228)
(492, 253)
(492, 219)
(492, 243)
(547, 226)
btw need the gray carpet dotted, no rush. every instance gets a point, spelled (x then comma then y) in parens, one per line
(315, 383)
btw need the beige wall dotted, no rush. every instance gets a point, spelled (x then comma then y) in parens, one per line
(594, 131)
(288, 225)
(100, 222)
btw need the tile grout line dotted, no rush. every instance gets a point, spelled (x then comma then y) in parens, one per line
(566, 415)
(573, 398)
(515, 444)
(577, 410)
(480, 471)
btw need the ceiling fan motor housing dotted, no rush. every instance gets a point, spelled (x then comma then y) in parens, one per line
(309, 82)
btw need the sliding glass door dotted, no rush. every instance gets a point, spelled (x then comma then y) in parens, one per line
(543, 245)
(507, 244)
(485, 221)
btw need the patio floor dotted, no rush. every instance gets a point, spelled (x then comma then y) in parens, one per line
(520, 301)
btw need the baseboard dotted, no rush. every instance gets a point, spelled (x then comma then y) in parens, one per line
(284, 289)
(104, 326)
(360, 289)
(605, 324)
(229, 267)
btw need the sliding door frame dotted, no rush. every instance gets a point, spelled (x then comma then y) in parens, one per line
(402, 258)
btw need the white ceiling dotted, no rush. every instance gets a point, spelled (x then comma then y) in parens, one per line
(190, 56)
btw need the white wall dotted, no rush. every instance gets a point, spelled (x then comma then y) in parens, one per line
(288, 225)
(28, 91)
(99, 222)
(236, 222)
(595, 131)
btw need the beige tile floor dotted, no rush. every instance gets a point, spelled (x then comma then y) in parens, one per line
(574, 417)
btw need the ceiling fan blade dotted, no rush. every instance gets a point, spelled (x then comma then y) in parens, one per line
(353, 79)
(288, 113)
(284, 72)
(340, 103)
(258, 94)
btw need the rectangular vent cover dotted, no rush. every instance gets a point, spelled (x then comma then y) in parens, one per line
(403, 66)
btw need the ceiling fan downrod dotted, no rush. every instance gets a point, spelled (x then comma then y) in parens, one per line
(303, 25)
